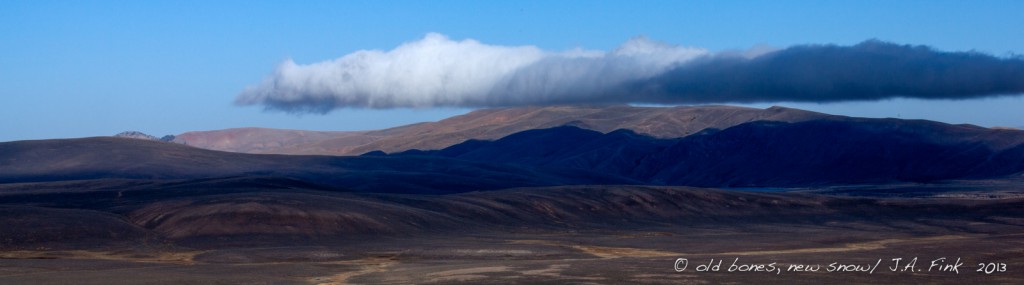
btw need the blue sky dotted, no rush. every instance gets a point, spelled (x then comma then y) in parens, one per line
(91, 68)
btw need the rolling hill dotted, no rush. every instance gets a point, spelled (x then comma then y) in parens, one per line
(123, 158)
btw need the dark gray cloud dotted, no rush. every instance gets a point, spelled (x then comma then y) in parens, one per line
(871, 70)
(439, 72)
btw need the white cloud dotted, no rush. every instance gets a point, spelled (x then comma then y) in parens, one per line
(437, 71)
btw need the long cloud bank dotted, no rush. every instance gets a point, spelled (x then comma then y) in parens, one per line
(439, 72)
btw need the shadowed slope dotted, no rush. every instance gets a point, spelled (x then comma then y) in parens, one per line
(835, 152)
(832, 151)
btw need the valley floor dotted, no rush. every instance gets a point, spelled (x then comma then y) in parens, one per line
(646, 256)
(246, 231)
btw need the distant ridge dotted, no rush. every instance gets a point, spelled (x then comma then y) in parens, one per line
(135, 135)
(143, 136)
(490, 124)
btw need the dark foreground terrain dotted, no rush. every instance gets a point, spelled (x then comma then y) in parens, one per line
(282, 231)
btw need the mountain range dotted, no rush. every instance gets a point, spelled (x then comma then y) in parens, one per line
(704, 146)
(490, 124)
